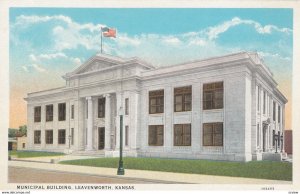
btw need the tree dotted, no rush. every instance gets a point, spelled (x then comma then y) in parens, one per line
(23, 129)
(12, 132)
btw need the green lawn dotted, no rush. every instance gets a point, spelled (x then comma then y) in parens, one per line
(254, 169)
(29, 154)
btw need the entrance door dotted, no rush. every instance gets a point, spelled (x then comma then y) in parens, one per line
(101, 138)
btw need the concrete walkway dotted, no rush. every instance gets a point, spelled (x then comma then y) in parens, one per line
(44, 163)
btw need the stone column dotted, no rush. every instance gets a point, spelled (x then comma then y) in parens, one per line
(108, 116)
(89, 145)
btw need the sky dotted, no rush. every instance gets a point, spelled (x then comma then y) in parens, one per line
(46, 43)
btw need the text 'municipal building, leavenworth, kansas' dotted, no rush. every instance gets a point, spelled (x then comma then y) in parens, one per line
(220, 108)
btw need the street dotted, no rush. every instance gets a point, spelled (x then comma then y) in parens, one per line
(30, 175)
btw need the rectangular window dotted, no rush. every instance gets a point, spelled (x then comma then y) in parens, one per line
(156, 101)
(156, 135)
(37, 137)
(101, 107)
(264, 102)
(49, 112)
(213, 134)
(274, 111)
(213, 96)
(72, 111)
(258, 135)
(258, 98)
(279, 114)
(126, 106)
(126, 135)
(49, 137)
(61, 136)
(183, 99)
(62, 111)
(37, 114)
(23, 145)
(72, 136)
(182, 135)
(273, 138)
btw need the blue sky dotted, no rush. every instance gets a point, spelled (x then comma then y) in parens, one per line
(45, 43)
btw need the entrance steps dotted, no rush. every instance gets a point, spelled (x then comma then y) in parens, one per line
(94, 153)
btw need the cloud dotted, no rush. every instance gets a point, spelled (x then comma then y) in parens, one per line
(274, 56)
(215, 31)
(34, 66)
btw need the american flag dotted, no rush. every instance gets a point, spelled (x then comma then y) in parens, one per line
(109, 32)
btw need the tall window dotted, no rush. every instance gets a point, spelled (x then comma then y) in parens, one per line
(37, 137)
(61, 136)
(156, 101)
(49, 112)
(183, 99)
(258, 98)
(273, 138)
(49, 137)
(62, 111)
(37, 114)
(182, 135)
(72, 111)
(126, 106)
(274, 111)
(213, 96)
(264, 102)
(126, 135)
(101, 107)
(213, 134)
(258, 135)
(72, 136)
(279, 114)
(156, 135)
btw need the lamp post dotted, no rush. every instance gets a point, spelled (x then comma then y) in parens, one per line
(281, 139)
(121, 168)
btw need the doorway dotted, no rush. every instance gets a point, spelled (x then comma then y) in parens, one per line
(264, 137)
(101, 138)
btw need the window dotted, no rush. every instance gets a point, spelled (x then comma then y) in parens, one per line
(213, 134)
(156, 101)
(126, 135)
(182, 135)
(62, 111)
(264, 105)
(49, 112)
(126, 106)
(156, 135)
(23, 145)
(37, 137)
(213, 96)
(61, 136)
(274, 111)
(101, 107)
(279, 114)
(273, 138)
(258, 98)
(72, 111)
(49, 137)
(258, 135)
(72, 136)
(37, 114)
(183, 99)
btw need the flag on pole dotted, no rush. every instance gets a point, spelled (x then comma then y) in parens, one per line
(109, 32)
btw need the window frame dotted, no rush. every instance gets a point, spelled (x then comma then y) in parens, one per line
(62, 111)
(37, 114)
(60, 138)
(156, 129)
(72, 111)
(36, 137)
(183, 92)
(181, 135)
(101, 107)
(49, 114)
(212, 90)
(158, 97)
(126, 106)
(48, 138)
(213, 133)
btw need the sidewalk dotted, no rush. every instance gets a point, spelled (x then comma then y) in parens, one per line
(44, 163)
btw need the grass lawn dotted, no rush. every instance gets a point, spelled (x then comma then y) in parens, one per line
(29, 154)
(254, 169)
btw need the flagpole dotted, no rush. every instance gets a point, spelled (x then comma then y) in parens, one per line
(101, 40)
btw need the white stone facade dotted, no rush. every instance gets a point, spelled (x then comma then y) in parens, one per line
(249, 91)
